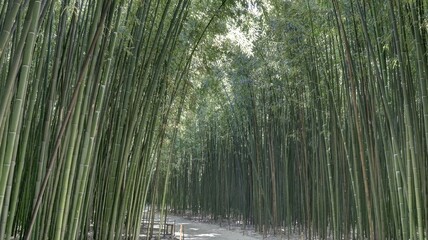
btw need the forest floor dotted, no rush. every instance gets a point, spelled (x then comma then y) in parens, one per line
(198, 229)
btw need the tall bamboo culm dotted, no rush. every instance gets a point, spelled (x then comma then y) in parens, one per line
(87, 88)
(322, 131)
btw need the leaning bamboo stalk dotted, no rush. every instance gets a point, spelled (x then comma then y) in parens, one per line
(9, 20)
(18, 108)
(63, 128)
(6, 99)
(24, 149)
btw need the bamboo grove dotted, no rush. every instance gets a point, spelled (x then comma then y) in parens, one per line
(87, 90)
(314, 119)
(322, 128)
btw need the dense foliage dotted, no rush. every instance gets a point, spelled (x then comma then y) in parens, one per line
(87, 88)
(313, 117)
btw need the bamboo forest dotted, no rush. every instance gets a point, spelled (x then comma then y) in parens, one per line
(306, 116)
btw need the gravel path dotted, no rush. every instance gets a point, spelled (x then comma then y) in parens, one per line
(197, 230)
(194, 230)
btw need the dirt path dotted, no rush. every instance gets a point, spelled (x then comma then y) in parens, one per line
(196, 230)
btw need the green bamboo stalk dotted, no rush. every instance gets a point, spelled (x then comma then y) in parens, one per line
(18, 107)
(422, 72)
(63, 128)
(25, 141)
(6, 28)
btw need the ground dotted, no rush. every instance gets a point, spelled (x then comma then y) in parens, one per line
(198, 230)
